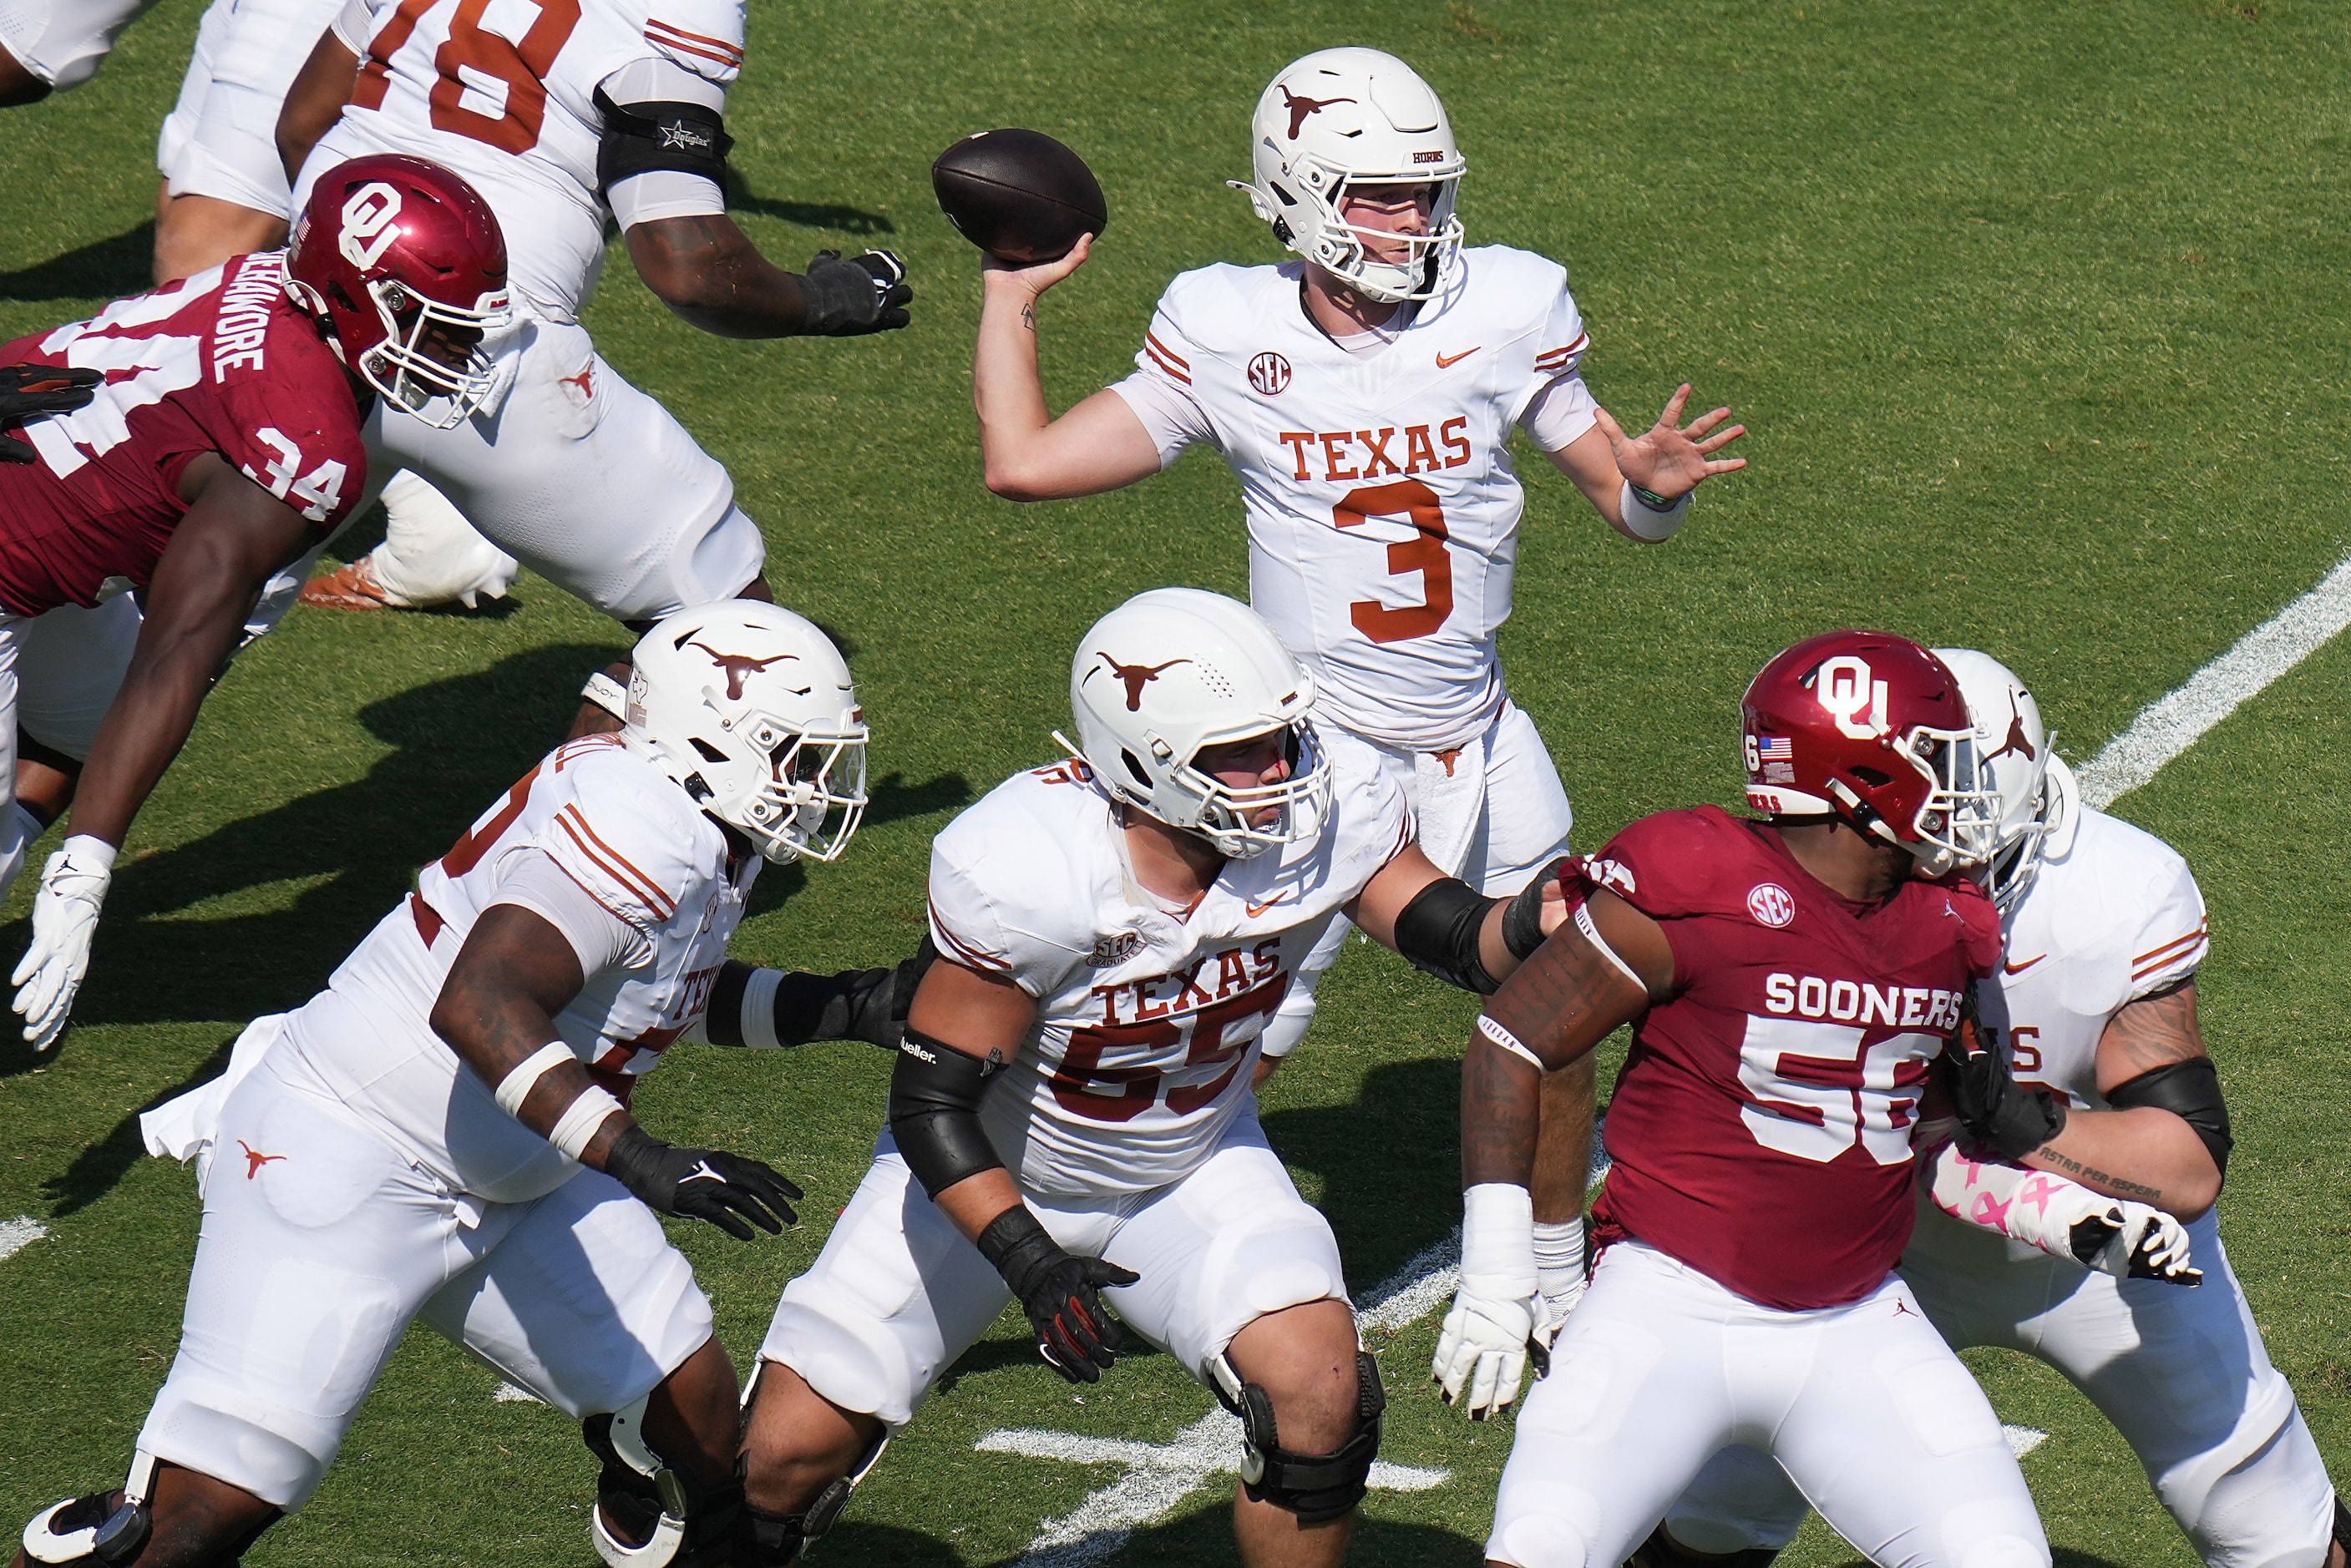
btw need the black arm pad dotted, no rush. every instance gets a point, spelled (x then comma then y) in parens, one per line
(690, 137)
(1437, 932)
(722, 1024)
(2189, 1090)
(1523, 922)
(935, 1112)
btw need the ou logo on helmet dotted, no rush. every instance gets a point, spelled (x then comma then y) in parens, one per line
(1849, 695)
(368, 230)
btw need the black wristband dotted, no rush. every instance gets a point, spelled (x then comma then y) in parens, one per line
(1019, 1248)
(1522, 921)
(1651, 499)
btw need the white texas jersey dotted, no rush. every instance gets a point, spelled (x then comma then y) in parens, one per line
(635, 843)
(503, 93)
(2113, 916)
(1147, 1021)
(1382, 508)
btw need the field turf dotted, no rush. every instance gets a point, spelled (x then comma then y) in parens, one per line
(2034, 310)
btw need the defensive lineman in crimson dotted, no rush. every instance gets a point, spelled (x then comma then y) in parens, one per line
(442, 1132)
(223, 443)
(1072, 1122)
(1791, 981)
(1365, 394)
(2095, 1005)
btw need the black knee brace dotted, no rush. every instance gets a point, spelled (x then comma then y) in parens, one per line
(2342, 1524)
(668, 1519)
(1662, 1550)
(778, 1540)
(1314, 1487)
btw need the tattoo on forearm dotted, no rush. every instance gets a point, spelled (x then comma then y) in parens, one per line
(1028, 314)
(2090, 1176)
(1565, 999)
(1498, 1101)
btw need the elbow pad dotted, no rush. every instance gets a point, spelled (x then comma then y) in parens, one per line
(935, 1112)
(2189, 1090)
(688, 138)
(1437, 934)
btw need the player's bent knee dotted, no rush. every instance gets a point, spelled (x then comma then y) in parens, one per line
(649, 1514)
(776, 1539)
(2005, 1552)
(1540, 1540)
(1314, 1487)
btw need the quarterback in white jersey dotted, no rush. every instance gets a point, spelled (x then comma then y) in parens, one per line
(442, 1133)
(1071, 1118)
(2109, 1085)
(591, 111)
(1364, 395)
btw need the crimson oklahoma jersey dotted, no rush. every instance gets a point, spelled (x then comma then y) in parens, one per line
(1761, 1129)
(223, 362)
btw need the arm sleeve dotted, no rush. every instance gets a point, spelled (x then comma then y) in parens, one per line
(2172, 941)
(1561, 411)
(664, 193)
(1160, 391)
(532, 880)
(1558, 350)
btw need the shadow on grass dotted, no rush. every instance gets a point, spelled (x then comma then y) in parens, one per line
(102, 269)
(840, 219)
(1390, 1164)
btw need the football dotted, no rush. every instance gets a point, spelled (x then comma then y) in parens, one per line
(1019, 194)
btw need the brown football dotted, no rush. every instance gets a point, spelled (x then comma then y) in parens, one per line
(1019, 194)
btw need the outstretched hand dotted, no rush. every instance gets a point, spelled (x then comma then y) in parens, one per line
(1671, 458)
(1036, 276)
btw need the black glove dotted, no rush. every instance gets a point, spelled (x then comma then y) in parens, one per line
(29, 392)
(2000, 1115)
(701, 1184)
(1075, 1332)
(868, 1005)
(851, 298)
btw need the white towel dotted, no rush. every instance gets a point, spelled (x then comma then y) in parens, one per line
(1449, 796)
(184, 1128)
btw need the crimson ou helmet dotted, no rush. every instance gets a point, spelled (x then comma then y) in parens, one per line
(387, 249)
(1872, 728)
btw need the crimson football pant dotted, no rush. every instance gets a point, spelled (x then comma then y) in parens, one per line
(2180, 1373)
(1863, 1406)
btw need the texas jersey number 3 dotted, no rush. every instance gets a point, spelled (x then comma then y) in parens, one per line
(489, 88)
(1424, 552)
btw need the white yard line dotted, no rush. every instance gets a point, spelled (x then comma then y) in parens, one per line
(2023, 1441)
(19, 1233)
(2168, 727)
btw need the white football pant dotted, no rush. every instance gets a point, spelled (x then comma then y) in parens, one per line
(221, 139)
(1499, 818)
(321, 1242)
(63, 42)
(2180, 1373)
(586, 480)
(898, 1293)
(1660, 1368)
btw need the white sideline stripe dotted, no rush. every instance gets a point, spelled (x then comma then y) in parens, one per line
(2023, 1441)
(19, 1233)
(2170, 725)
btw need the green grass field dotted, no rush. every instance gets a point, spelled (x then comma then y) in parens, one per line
(2033, 311)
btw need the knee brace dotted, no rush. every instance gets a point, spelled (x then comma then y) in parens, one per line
(778, 1539)
(1314, 1487)
(88, 1530)
(2342, 1525)
(677, 1523)
(1662, 1550)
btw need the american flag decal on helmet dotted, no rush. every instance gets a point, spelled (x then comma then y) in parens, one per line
(1775, 748)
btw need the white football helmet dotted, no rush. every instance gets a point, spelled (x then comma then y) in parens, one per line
(2013, 747)
(1354, 117)
(751, 709)
(1173, 671)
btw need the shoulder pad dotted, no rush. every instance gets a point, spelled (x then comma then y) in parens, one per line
(630, 836)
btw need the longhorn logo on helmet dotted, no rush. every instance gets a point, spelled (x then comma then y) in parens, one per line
(1300, 107)
(1136, 677)
(740, 667)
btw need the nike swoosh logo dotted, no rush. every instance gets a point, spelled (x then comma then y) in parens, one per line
(1257, 910)
(2020, 968)
(1447, 361)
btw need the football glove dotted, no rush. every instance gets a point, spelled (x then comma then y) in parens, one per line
(726, 1190)
(2134, 1242)
(1498, 1323)
(2000, 1114)
(29, 392)
(851, 298)
(1061, 1294)
(65, 918)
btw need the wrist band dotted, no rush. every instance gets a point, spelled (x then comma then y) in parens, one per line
(1649, 516)
(759, 1020)
(1509, 1041)
(577, 1126)
(516, 1086)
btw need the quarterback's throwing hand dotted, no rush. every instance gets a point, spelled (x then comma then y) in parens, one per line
(29, 392)
(851, 298)
(65, 918)
(1672, 457)
(710, 1184)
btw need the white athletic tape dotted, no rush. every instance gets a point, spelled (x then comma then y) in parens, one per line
(2169, 726)
(1509, 1041)
(577, 1127)
(19, 1233)
(516, 1086)
(758, 1011)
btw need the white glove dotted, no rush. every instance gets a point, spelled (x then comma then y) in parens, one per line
(1559, 1271)
(2063, 1219)
(1498, 1317)
(65, 918)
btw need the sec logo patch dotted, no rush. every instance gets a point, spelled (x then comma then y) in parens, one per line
(1268, 373)
(1772, 905)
